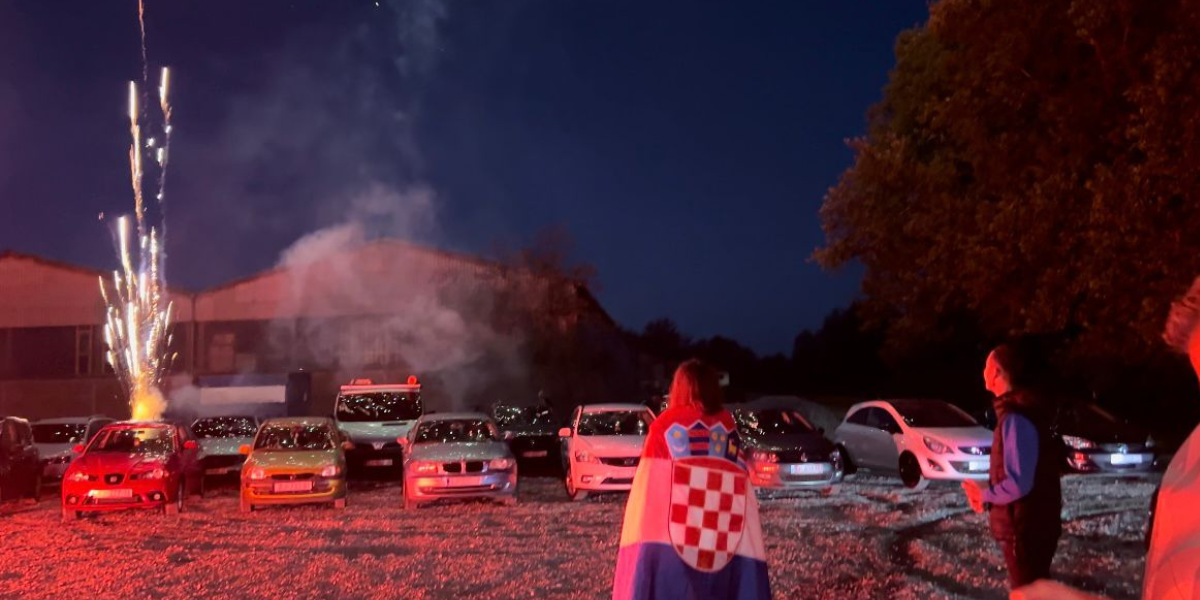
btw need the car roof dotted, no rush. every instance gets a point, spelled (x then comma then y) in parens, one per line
(615, 406)
(209, 418)
(456, 416)
(299, 421)
(770, 403)
(70, 420)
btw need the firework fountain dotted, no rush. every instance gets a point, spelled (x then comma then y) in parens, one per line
(138, 319)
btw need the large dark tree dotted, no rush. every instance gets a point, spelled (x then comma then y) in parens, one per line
(1035, 164)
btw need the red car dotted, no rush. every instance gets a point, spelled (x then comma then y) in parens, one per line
(134, 465)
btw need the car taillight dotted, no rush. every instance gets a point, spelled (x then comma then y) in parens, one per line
(257, 474)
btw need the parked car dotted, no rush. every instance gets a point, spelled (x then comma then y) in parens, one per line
(373, 417)
(222, 438)
(458, 455)
(602, 446)
(20, 464)
(56, 437)
(922, 440)
(782, 449)
(134, 464)
(534, 432)
(1096, 441)
(295, 460)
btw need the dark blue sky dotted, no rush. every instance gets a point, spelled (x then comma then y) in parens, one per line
(685, 145)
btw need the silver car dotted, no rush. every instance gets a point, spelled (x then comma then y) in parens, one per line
(54, 439)
(221, 438)
(457, 455)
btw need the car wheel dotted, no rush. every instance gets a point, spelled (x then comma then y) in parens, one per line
(202, 488)
(339, 503)
(245, 506)
(573, 492)
(411, 504)
(848, 466)
(910, 473)
(71, 515)
(36, 493)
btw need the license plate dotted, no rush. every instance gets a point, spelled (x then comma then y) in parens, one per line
(534, 454)
(978, 465)
(112, 493)
(1127, 459)
(293, 486)
(464, 481)
(379, 462)
(806, 469)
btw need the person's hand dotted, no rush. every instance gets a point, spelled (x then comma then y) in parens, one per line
(1044, 589)
(974, 494)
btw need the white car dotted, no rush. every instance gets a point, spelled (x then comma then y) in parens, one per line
(54, 439)
(602, 447)
(922, 440)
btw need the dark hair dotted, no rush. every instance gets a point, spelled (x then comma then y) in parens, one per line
(1012, 362)
(697, 385)
(1183, 319)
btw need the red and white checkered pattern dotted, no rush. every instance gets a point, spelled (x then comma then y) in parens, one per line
(708, 511)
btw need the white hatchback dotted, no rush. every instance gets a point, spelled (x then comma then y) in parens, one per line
(922, 440)
(602, 447)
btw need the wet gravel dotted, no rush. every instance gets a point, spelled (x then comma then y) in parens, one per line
(869, 539)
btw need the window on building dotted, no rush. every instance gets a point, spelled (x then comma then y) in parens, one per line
(221, 354)
(83, 350)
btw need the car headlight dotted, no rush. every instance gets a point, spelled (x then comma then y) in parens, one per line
(767, 457)
(835, 457)
(937, 447)
(152, 474)
(331, 471)
(500, 464)
(585, 457)
(257, 474)
(1150, 441)
(78, 476)
(1077, 443)
(421, 467)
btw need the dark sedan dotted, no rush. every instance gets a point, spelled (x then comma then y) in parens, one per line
(783, 450)
(534, 433)
(1096, 441)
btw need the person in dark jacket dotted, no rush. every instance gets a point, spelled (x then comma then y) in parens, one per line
(1023, 497)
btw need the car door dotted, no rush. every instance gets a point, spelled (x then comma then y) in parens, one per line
(193, 465)
(30, 459)
(850, 435)
(566, 444)
(8, 474)
(879, 448)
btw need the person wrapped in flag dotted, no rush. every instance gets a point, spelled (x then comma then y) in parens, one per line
(691, 526)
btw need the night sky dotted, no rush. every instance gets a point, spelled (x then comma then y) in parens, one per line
(685, 146)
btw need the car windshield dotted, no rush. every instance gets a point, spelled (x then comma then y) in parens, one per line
(773, 422)
(457, 430)
(523, 416)
(224, 427)
(62, 433)
(1091, 413)
(379, 406)
(933, 414)
(294, 437)
(615, 422)
(135, 440)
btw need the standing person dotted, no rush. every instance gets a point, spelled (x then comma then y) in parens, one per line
(1024, 493)
(691, 524)
(1173, 562)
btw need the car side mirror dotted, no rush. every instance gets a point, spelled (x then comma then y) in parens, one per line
(244, 449)
(348, 446)
(77, 448)
(565, 432)
(508, 436)
(190, 445)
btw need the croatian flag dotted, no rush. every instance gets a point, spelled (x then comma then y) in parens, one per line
(691, 525)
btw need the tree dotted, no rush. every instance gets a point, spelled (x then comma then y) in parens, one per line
(1033, 164)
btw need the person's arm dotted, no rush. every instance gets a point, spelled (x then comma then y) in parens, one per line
(1020, 461)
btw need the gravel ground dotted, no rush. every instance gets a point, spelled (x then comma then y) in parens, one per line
(868, 539)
